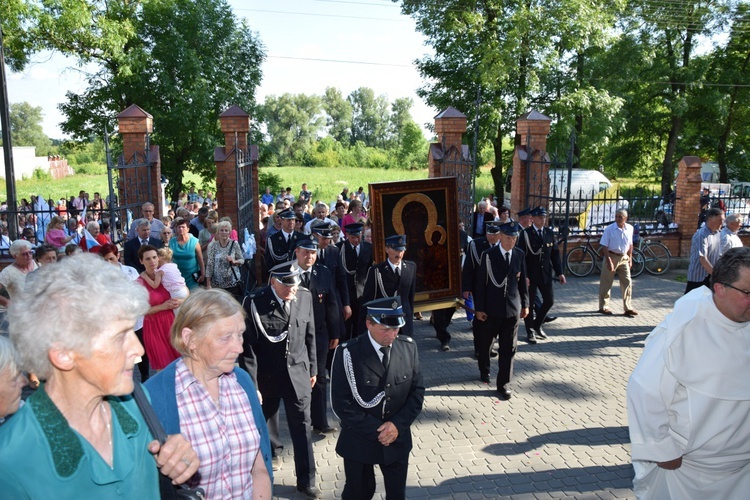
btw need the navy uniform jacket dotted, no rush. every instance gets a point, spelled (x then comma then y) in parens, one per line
(501, 301)
(404, 395)
(325, 306)
(471, 263)
(540, 266)
(271, 362)
(278, 250)
(131, 247)
(405, 287)
(330, 257)
(355, 267)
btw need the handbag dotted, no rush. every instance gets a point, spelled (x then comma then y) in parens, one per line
(167, 490)
(235, 273)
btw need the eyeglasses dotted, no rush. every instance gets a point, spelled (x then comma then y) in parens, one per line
(746, 292)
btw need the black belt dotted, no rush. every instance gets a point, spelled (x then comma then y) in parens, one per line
(615, 253)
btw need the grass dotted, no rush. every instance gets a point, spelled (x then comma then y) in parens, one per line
(326, 183)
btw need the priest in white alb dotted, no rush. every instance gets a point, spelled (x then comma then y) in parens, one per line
(689, 395)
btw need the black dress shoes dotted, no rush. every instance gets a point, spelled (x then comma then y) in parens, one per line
(503, 394)
(531, 337)
(540, 333)
(550, 319)
(325, 430)
(310, 491)
(485, 378)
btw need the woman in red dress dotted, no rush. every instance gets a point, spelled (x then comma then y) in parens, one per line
(158, 320)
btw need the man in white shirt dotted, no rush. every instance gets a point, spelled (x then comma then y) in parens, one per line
(688, 397)
(617, 252)
(729, 237)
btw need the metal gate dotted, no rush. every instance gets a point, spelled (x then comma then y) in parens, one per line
(459, 164)
(246, 204)
(548, 181)
(129, 188)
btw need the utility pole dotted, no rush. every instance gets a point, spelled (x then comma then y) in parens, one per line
(10, 174)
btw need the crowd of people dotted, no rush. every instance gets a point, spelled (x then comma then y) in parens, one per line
(328, 329)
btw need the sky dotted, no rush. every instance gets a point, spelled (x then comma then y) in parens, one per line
(310, 45)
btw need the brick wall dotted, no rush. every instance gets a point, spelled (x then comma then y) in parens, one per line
(536, 126)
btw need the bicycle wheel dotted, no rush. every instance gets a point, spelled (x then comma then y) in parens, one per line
(580, 262)
(657, 258)
(599, 259)
(639, 263)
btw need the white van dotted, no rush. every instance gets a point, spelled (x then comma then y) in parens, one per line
(584, 185)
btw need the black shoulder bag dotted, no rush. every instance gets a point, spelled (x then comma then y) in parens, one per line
(168, 490)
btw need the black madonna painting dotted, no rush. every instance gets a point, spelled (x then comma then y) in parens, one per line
(426, 212)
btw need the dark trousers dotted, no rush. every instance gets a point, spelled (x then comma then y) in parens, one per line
(441, 318)
(351, 324)
(298, 419)
(506, 331)
(319, 405)
(143, 365)
(692, 285)
(534, 321)
(360, 480)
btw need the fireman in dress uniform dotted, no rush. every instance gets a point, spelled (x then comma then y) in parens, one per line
(500, 300)
(280, 246)
(542, 258)
(327, 313)
(393, 276)
(280, 355)
(377, 392)
(356, 260)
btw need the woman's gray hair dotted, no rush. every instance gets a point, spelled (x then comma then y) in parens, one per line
(91, 225)
(200, 311)
(223, 224)
(65, 306)
(19, 246)
(9, 359)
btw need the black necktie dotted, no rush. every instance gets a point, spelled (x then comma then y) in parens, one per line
(540, 234)
(398, 271)
(386, 359)
(507, 258)
(286, 307)
(306, 280)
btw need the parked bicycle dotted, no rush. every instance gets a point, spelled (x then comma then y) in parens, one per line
(656, 255)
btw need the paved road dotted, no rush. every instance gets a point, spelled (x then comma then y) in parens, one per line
(564, 433)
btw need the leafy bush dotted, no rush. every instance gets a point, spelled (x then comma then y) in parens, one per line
(90, 168)
(266, 178)
(41, 175)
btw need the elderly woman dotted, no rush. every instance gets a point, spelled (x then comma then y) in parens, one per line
(187, 253)
(206, 234)
(159, 318)
(166, 235)
(13, 277)
(56, 235)
(205, 386)
(224, 261)
(94, 230)
(11, 379)
(81, 429)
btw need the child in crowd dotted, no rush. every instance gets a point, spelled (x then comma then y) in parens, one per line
(169, 275)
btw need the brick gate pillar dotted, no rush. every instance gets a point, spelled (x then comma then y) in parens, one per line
(135, 125)
(687, 205)
(532, 129)
(235, 125)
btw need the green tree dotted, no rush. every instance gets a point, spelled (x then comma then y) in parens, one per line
(370, 117)
(293, 123)
(400, 117)
(496, 60)
(183, 61)
(340, 113)
(18, 45)
(26, 128)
